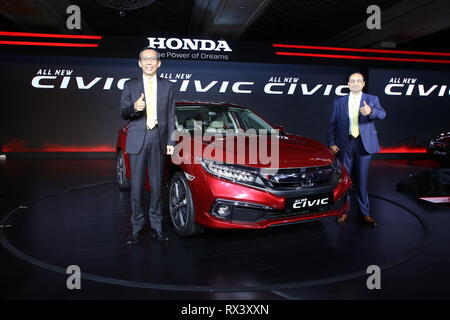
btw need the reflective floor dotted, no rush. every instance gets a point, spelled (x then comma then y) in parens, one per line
(61, 212)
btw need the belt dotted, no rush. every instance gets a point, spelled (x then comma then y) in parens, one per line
(156, 126)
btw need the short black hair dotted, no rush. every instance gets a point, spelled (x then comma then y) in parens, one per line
(158, 55)
(364, 78)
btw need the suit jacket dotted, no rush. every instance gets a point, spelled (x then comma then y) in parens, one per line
(338, 127)
(137, 127)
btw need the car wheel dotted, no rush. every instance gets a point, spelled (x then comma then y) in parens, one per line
(121, 170)
(182, 213)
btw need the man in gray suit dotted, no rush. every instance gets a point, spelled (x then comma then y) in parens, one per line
(148, 103)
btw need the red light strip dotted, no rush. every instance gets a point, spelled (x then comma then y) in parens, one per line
(336, 56)
(48, 35)
(60, 149)
(363, 50)
(403, 150)
(50, 44)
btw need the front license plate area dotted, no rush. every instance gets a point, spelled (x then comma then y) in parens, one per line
(310, 203)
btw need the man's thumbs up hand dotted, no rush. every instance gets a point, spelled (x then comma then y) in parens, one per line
(365, 109)
(139, 105)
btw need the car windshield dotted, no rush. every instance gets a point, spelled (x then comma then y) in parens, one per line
(217, 119)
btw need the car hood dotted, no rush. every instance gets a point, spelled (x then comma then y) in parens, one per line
(294, 151)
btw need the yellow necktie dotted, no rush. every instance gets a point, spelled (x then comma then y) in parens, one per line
(150, 108)
(354, 130)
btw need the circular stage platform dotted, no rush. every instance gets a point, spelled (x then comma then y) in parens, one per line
(88, 226)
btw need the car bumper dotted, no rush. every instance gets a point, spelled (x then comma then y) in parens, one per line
(252, 208)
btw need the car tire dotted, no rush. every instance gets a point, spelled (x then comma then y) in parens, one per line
(121, 171)
(181, 207)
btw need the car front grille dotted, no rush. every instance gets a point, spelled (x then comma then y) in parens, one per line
(305, 178)
(285, 214)
(253, 215)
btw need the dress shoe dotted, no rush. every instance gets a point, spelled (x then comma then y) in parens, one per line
(342, 218)
(160, 236)
(133, 238)
(370, 221)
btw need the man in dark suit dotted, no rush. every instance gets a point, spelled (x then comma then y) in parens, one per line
(148, 103)
(353, 137)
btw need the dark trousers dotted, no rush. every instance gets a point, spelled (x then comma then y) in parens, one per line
(150, 158)
(356, 161)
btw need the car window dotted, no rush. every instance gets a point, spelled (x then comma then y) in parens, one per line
(250, 120)
(217, 119)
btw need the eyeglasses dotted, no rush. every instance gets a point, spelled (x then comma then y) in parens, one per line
(151, 59)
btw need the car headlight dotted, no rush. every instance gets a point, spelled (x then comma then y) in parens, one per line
(235, 173)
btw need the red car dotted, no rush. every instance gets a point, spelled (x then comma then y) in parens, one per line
(308, 182)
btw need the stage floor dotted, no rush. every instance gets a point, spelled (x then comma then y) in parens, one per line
(61, 212)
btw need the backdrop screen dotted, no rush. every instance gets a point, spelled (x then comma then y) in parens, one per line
(72, 104)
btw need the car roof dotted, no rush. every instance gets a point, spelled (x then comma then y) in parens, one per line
(207, 103)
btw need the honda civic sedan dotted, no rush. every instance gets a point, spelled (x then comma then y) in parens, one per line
(214, 179)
